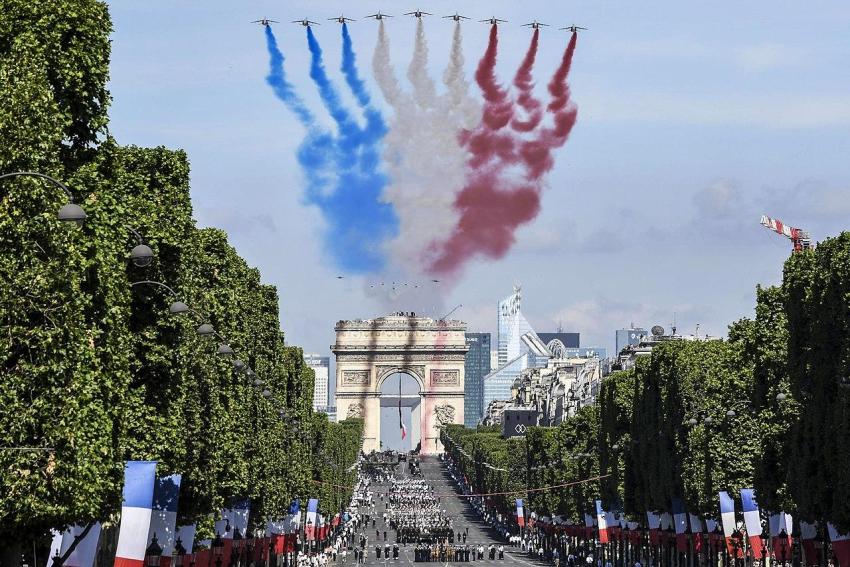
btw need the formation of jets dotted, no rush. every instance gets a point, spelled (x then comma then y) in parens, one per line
(493, 21)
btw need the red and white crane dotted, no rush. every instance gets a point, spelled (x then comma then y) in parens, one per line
(799, 237)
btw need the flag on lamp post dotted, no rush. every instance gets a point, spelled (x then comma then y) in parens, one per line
(164, 514)
(310, 525)
(136, 509)
(186, 535)
(840, 545)
(808, 533)
(84, 554)
(601, 522)
(680, 523)
(653, 522)
(781, 544)
(752, 521)
(520, 513)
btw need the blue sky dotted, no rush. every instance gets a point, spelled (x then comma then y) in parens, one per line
(694, 119)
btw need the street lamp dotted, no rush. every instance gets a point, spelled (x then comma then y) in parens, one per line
(783, 545)
(781, 397)
(238, 542)
(179, 552)
(141, 254)
(177, 307)
(153, 553)
(238, 364)
(224, 349)
(205, 329)
(70, 212)
(217, 549)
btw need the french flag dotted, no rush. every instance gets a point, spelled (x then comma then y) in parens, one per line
(310, 526)
(238, 515)
(653, 522)
(136, 509)
(601, 522)
(520, 513)
(680, 523)
(752, 521)
(808, 533)
(840, 545)
(84, 554)
(164, 515)
(696, 531)
(727, 518)
(777, 523)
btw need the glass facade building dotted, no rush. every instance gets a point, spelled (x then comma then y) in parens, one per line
(477, 366)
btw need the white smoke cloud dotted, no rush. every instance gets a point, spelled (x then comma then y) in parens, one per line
(425, 161)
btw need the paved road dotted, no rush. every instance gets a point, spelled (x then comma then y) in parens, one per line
(463, 516)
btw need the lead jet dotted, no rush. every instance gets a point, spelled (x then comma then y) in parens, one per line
(265, 22)
(305, 22)
(535, 25)
(379, 16)
(418, 14)
(456, 17)
(341, 19)
(574, 29)
(494, 21)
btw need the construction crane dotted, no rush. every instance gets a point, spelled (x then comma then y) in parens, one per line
(799, 237)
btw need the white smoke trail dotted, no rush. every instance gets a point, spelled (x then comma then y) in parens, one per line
(424, 158)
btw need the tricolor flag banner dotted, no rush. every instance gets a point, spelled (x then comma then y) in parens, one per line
(520, 513)
(653, 522)
(777, 523)
(752, 521)
(310, 525)
(601, 522)
(808, 533)
(55, 546)
(164, 514)
(139, 479)
(186, 535)
(840, 545)
(84, 554)
(696, 531)
(727, 518)
(293, 520)
(589, 522)
(238, 516)
(680, 523)
(400, 420)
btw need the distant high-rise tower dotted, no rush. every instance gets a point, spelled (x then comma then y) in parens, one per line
(321, 366)
(625, 337)
(476, 367)
(512, 326)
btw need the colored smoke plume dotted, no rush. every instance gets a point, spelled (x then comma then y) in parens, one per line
(342, 169)
(497, 199)
(423, 155)
(525, 85)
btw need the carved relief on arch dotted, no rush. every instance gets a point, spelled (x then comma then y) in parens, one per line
(355, 411)
(445, 414)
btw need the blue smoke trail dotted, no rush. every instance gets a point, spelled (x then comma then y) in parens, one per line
(277, 80)
(342, 171)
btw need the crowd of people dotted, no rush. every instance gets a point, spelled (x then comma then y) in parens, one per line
(415, 513)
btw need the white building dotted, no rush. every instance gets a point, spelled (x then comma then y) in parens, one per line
(321, 366)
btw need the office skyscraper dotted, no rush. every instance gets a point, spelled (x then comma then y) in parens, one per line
(477, 366)
(321, 366)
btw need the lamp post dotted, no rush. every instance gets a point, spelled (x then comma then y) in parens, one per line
(217, 549)
(238, 543)
(70, 212)
(141, 255)
(783, 546)
(737, 545)
(178, 553)
(153, 553)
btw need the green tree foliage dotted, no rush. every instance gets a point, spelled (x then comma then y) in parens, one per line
(816, 288)
(616, 396)
(98, 371)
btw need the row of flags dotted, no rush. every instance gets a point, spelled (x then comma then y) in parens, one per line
(149, 508)
(608, 525)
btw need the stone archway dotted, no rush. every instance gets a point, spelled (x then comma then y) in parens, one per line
(432, 352)
(401, 392)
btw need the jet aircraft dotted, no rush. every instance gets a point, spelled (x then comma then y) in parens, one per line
(494, 21)
(456, 17)
(379, 16)
(535, 25)
(265, 22)
(418, 14)
(305, 22)
(341, 19)
(573, 29)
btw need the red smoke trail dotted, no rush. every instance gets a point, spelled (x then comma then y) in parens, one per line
(492, 204)
(524, 84)
(537, 154)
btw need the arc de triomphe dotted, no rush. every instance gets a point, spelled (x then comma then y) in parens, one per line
(431, 352)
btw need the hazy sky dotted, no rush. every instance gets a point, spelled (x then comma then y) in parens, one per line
(694, 119)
